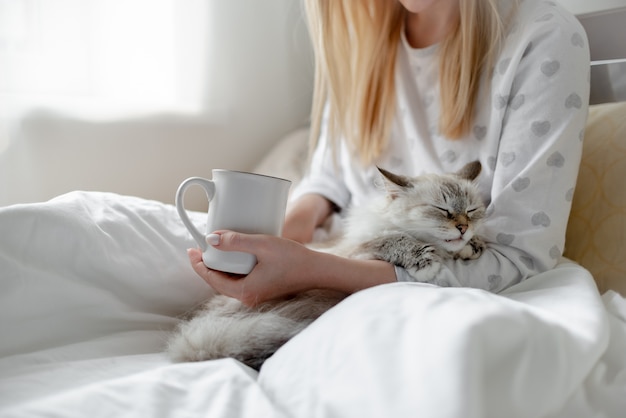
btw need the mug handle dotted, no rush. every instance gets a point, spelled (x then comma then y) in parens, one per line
(209, 188)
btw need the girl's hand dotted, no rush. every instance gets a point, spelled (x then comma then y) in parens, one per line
(280, 270)
(285, 267)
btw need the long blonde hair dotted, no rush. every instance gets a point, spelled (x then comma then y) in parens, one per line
(355, 44)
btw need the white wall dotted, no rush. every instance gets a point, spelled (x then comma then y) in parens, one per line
(260, 76)
(580, 7)
(260, 68)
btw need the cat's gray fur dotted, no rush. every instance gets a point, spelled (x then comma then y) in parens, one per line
(421, 221)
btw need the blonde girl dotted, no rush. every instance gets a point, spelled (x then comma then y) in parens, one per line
(422, 86)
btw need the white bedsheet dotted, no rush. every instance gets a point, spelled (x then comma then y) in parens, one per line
(91, 283)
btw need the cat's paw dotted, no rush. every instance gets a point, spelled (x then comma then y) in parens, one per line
(426, 266)
(466, 253)
(425, 273)
(472, 250)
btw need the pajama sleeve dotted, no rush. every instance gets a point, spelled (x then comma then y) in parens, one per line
(539, 95)
(325, 173)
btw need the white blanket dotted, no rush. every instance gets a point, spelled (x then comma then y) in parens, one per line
(91, 283)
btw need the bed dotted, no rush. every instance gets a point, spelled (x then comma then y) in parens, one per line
(91, 283)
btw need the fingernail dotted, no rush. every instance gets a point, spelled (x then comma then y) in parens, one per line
(213, 239)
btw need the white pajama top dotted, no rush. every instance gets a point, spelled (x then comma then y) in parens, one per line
(527, 133)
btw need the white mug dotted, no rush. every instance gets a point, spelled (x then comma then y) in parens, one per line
(238, 201)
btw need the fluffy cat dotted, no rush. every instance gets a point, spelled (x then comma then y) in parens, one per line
(418, 223)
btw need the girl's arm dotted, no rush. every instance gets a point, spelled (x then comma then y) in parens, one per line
(285, 267)
(305, 214)
(540, 95)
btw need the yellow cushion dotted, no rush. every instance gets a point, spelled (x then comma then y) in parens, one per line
(596, 233)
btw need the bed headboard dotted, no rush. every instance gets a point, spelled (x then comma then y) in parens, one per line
(596, 232)
(606, 31)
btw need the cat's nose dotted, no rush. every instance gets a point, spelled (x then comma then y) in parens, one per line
(462, 228)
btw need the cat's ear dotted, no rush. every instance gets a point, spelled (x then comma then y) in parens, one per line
(470, 170)
(395, 183)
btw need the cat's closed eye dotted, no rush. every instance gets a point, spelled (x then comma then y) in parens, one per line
(469, 213)
(445, 212)
(476, 213)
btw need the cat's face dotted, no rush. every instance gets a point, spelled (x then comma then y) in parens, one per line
(443, 209)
